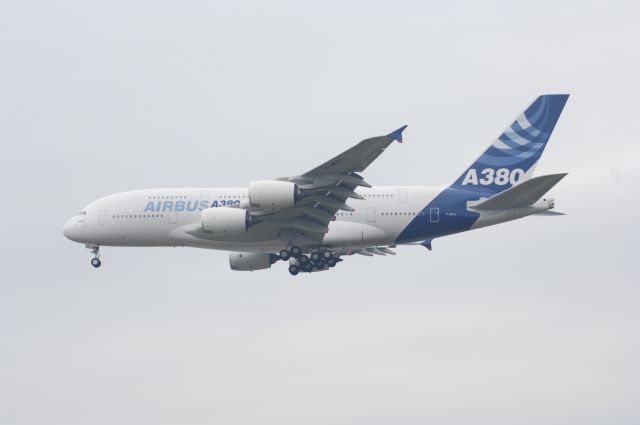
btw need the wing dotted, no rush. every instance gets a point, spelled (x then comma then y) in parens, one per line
(326, 189)
(358, 157)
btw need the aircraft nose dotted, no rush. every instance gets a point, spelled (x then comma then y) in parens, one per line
(70, 230)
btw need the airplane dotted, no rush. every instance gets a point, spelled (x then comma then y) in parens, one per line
(314, 220)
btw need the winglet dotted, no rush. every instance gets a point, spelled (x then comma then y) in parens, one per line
(397, 135)
(427, 244)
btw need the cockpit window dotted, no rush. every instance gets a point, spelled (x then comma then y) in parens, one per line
(83, 212)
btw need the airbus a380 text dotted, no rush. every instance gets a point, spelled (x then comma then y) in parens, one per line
(314, 220)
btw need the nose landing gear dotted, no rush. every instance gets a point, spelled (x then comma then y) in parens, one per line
(95, 261)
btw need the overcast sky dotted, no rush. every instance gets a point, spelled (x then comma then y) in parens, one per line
(533, 321)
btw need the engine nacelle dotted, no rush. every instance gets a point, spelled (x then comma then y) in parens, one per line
(225, 221)
(273, 194)
(250, 261)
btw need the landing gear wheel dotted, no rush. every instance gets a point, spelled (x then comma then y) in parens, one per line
(306, 267)
(95, 261)
(315, 256)
(303, 259)
(326, 255)
(295, 251)
(320, 264)
(284, 255)
(331, 262)
(294, 270)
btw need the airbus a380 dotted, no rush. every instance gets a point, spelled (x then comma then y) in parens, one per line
(313, 220)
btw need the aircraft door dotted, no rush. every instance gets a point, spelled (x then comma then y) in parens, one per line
(434, 215)
(403, 195)
(172, 216)
(371, 214)
(204, 196)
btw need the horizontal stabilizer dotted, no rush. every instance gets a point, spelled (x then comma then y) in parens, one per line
(520, 195)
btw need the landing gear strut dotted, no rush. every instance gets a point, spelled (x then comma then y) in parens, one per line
(95, 261)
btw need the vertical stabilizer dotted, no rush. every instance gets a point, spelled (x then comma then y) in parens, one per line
(513, 156)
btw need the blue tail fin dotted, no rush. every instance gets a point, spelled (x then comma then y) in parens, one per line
(513, 156)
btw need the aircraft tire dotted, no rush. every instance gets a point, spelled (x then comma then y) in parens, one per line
(295, 251)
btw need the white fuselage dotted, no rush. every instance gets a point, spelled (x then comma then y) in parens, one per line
(172, 217)
(128, 219)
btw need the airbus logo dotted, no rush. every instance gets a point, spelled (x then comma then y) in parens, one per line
(162, 206)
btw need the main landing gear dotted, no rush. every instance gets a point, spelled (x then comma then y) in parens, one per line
(95, 261)
(316, 261)
(291, 252)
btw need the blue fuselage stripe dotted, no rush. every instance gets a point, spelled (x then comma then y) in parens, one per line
(446, 214)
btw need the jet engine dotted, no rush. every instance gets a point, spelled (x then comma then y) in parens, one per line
(250, 261)
(225, 221)
(273, 194)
